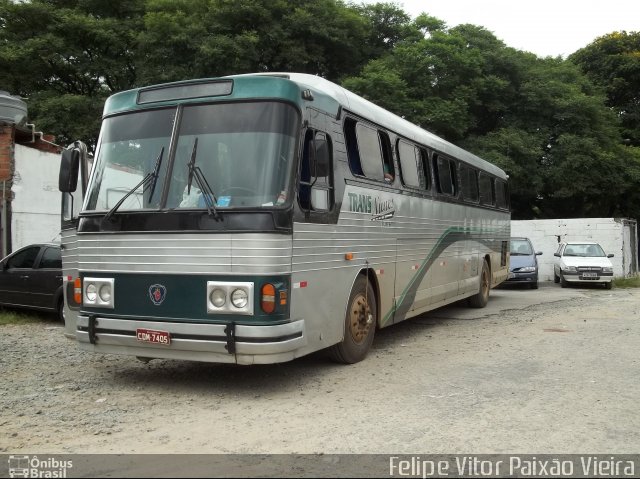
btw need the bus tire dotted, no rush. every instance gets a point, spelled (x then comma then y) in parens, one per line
(359, 325)
(481, 299)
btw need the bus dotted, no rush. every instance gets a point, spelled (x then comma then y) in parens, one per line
(257, 218)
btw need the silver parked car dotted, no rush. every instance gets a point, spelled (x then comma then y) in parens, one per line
(582, 262)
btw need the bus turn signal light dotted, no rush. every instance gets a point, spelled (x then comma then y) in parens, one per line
(268, 300)
(77, 291)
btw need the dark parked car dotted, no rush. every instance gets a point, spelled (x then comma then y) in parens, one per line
(32, 278)
(523, 265)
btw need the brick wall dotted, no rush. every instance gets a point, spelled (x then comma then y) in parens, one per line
(7, 137)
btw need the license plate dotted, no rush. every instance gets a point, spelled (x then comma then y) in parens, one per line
(153, 336)
(589, 275)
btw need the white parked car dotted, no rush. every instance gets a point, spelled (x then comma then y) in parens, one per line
(582, 262)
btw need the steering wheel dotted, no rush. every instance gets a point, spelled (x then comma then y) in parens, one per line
(240, 189)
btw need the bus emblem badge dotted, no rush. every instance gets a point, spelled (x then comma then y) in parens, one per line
(157, 293)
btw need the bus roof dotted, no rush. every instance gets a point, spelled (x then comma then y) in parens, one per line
(327, 96)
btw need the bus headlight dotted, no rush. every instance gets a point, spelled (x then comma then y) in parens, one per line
(92, 292)
(239, 298)
(105, 293)
(230, 297)
(218, 297)
(98, 292)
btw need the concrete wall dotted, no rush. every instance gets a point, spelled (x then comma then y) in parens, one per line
(35, 209)
(612, 233)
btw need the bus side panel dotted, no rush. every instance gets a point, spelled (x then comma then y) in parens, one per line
(70, 269)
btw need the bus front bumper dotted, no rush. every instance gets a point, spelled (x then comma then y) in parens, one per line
(223, 343)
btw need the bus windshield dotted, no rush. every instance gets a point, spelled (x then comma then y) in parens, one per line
(244, 151)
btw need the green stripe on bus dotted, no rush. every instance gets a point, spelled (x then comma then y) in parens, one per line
(474, 232)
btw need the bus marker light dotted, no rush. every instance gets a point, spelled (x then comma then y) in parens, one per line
(301, 284)
(348, 256)
(283, 298)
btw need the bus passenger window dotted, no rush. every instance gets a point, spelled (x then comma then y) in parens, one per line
(486, 190)
(502, 200)
(410, 160)
(469, 183)
(370, 151)
(387, 157)
(445, 174)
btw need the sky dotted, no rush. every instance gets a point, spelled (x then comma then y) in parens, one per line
(544, 27)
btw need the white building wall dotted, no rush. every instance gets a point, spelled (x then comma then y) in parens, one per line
(546, 234)
(35, 209)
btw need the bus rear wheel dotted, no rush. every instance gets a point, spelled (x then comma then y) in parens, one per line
(359, 325)
(481, 299)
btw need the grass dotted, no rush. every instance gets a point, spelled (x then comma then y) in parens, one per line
(633, 282)
(14, 317)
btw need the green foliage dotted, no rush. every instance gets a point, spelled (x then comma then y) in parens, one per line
(633, 282)
(13, 317)
(542, 120)
(613, 62)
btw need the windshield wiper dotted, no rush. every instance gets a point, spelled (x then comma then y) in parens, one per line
(208, 195)
(153, 176)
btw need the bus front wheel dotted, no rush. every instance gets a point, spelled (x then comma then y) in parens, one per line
(481, 299)
(359, 324)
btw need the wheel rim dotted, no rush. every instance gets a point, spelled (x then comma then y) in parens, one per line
(360, 319)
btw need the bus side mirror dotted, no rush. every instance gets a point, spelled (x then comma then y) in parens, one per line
(610, 255)
(69, 168)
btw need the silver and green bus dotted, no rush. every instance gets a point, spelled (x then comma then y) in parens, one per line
(258, 218)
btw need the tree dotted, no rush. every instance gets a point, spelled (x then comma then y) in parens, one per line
(613, 62)
(66, 57)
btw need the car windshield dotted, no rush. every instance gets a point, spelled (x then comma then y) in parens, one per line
(521, 247)
(244, 151)
(586, 250)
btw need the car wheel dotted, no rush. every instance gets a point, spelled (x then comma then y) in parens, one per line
(534, 285)
(556, 278)
(608, 285)
(563, 282)
(60, 309)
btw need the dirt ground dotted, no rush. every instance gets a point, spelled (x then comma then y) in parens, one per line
(545, 371)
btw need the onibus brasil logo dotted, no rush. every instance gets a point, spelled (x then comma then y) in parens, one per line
(32, 466)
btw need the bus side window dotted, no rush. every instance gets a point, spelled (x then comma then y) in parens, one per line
(316, 173)
(387, 157)
(410, 162)
(502, 200)
(426, 169)
(352, 146)
(469, 183)
(370, 151)
(486, 190)
(445, 175)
